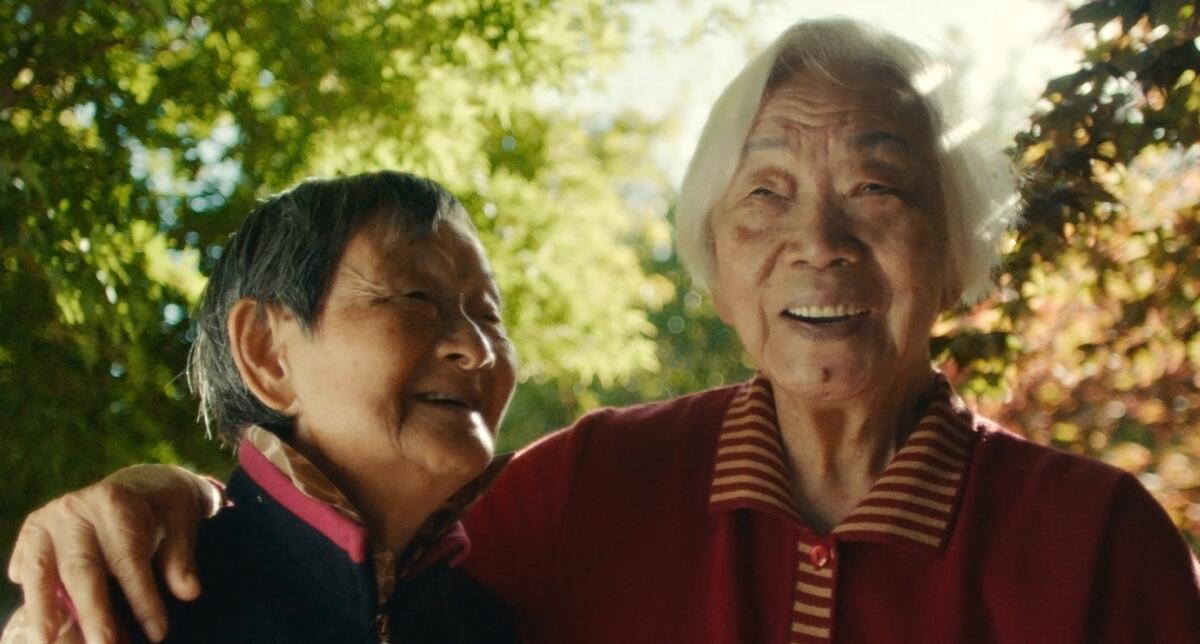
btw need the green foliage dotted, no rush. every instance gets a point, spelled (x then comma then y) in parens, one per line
(1094, 342)
(134, 138)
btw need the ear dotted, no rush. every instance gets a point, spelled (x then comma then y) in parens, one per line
(258, 342)
(720, 305)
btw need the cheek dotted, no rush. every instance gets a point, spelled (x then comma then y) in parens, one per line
(742, 252)
(385, 360)
(504, 380)
(909, 250)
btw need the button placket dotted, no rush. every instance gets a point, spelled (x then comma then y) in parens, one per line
(813, 602)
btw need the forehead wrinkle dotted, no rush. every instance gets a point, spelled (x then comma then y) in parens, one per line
(359, 280)
(787, 109)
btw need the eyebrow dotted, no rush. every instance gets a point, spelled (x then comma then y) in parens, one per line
(881, 138)
(764, 142)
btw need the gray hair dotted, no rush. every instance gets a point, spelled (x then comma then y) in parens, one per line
(978, 181)
(285, 254)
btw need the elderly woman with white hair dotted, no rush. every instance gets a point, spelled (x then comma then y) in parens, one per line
(844, 493)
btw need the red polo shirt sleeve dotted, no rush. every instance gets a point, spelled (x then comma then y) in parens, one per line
(1147, 579)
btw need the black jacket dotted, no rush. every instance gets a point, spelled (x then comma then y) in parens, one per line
(269, 576)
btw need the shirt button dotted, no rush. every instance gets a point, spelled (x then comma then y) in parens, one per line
(820, 556)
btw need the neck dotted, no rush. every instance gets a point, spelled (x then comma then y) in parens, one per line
(395, 503)
(836, 451)
(394, 512)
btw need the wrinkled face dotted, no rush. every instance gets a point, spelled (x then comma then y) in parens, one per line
(409, 365)
(830, 241)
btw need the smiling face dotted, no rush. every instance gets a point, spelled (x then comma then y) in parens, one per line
(409, 365)
(830, 241)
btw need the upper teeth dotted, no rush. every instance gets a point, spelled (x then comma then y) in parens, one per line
(841, 310)
(441, 397)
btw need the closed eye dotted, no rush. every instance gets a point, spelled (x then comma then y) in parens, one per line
(762, 191)
(874, 188)
(407, 298)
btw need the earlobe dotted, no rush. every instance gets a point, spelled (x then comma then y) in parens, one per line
(258, 343)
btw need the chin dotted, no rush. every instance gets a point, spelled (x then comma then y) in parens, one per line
(462, 459)
(825, 380)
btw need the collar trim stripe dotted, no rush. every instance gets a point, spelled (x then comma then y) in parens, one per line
(815, 611)
(753, 498)
(758, 448)
(864, 529)
(913, 502)
(937, 506)
(950, 476)
(749, 469)
(811, 631)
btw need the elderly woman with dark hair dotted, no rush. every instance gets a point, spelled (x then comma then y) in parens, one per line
(349, 346)
(844, 493)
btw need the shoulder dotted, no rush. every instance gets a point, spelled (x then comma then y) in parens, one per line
(659, 423)
(1056, 486)
(611, 447)
(1087, 530)
(1032, 467)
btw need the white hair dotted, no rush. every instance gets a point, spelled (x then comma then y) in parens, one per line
(977, 180)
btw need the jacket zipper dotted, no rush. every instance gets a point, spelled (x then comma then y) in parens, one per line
(382, 627)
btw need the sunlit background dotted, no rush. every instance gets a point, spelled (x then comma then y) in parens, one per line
(681, 54)
(134, 137)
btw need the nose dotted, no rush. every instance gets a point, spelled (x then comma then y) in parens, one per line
(465, 344)
(821, 235)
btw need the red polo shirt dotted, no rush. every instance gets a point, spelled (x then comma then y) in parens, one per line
(673, 522)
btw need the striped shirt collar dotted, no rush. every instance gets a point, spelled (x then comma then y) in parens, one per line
(914, 501)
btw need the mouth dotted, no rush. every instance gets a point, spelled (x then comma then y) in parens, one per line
(446, 400)
(826, 315)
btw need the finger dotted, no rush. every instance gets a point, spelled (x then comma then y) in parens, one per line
(39, 571)
(177, 558)
(15, 561)
(82, 573)
(127, 542)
